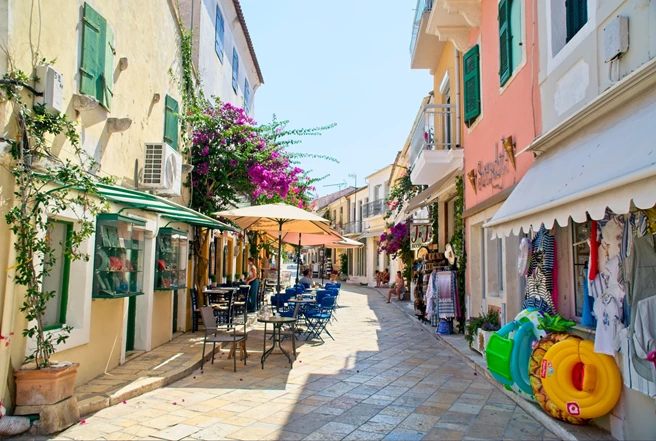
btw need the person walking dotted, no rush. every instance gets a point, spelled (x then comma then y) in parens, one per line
(398, 288)
(254, 283)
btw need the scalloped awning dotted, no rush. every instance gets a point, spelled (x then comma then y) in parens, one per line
(610, 164)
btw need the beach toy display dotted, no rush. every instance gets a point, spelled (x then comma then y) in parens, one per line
(509, 350)
(570, 381)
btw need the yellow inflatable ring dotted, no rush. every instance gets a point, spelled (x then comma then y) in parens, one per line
(575, 383)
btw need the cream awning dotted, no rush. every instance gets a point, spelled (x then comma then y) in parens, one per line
(431, 193)
(611, 164)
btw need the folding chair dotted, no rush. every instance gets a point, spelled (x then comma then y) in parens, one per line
(195, 310)
(318, 320)
(214, 334)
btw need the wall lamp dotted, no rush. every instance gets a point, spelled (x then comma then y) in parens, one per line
(471, 175)
(509, 147)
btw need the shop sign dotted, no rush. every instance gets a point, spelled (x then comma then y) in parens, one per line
(420, 235)
(491, 173)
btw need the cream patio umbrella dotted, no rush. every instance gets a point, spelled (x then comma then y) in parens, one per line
(279, 218)
(307, 240)
(344, 243)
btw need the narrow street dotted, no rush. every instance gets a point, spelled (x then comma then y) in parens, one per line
(382, 378)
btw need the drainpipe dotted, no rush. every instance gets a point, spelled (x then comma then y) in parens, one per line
(456, 62)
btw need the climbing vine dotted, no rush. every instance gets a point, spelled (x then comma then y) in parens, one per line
(458, 243)
(46, 186)
(435, 224)
(402, 191)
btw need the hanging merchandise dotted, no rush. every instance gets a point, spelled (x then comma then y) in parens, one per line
(431, 291)
(588, 317)
(610, 232)
(447, 295)
(594, 253)
(537, 294)
(640, 266)
(522, 260)
(541, 270)
(644, 335)
(570, 381)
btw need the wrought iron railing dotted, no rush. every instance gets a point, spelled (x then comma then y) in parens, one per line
(374, 208)
(422, 6)
(435, 130)
(353, 227)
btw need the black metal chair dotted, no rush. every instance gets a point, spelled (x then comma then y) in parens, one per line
(195, 310)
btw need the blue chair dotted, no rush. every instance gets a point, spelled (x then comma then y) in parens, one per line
(305, 286)
(330, 285)
(321, 294)
(291, 291)
(317, 320)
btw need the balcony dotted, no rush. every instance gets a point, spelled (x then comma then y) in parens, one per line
(435, 145)
(451, 20)
(353, 227)
(375, 208)
(425, 49)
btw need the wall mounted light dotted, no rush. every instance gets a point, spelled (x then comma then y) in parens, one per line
(471, 175)
(156, 98)
(509, 147)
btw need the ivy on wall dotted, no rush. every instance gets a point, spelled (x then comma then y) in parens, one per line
(458, 244)
(435, 216)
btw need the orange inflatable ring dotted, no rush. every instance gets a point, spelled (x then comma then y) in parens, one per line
(572, 382)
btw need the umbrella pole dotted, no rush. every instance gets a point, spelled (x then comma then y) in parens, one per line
(279, 264)
(298, 257)
(323, 264)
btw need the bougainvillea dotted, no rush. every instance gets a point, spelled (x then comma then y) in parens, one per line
(395, 241)
(236, 160)
(402, 191)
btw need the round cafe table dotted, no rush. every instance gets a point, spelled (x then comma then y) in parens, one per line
(277, 323)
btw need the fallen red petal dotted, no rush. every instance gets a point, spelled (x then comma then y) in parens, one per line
(83, 422)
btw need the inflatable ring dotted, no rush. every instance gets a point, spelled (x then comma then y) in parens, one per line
(572, 382)
(509, 350)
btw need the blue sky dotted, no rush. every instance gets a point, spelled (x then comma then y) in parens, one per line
(339, 61)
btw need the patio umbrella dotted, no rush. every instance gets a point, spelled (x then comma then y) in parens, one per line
(307, 240)
(280, 218)
(344, 243)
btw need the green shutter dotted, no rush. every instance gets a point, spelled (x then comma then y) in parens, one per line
(576, 16)
(505, 37)
(91, 69)
(108, 69)
(171, 122)
(472, 86)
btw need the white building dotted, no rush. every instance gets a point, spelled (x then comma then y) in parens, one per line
(223, 52)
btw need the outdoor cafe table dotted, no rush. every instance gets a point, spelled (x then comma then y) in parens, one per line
(277, 337)
(218, 291)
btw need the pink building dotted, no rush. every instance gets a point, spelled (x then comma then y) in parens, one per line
(501, 106)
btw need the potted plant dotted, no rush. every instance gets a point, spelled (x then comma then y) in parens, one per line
(213, 280)
(479, 330)
(228, 279)
(43, 193)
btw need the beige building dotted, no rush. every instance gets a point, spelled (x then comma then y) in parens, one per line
(115, 75)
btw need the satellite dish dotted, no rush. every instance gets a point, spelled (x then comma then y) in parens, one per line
(449, 254)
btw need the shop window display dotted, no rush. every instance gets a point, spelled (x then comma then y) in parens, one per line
(119, 256)
(171, 260)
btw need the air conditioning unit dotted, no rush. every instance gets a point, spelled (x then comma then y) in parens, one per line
(162, 170)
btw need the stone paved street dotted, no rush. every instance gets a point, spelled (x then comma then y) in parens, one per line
(382, 378)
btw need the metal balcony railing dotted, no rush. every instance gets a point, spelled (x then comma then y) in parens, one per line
(353, 227)
(422, 6)
(435, 130)
(374, 208)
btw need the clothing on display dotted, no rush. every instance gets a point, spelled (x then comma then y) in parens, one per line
(446, 294)
(630, 377)
(588, 318)
(431, 291)
(610, 232)
(608, 312)
(644, 331)
(593, 269)
(536, 288)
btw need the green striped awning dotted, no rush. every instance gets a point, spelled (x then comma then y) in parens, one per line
(150, 202)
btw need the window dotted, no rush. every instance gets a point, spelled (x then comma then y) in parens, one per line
(493, 265)
(247, 97)
(57, 277)
(515, 34)
(472, 86)
(171, 122)
(235, 69)
(97, 65)
(576, 16)
(341, 216)
(580, 236)
(219, 29)
(505, 38)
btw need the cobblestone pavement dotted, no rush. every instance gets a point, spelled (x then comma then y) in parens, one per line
(382, 378)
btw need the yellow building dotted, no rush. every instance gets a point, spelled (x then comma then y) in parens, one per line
(117, 67)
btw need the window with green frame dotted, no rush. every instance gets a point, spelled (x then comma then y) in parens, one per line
(505, 39)
(97, 63)
(57, 278)
(576, 16)
(472, 85)
(171, 122)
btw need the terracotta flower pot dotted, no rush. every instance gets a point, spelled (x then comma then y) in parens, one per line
(45, 386)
